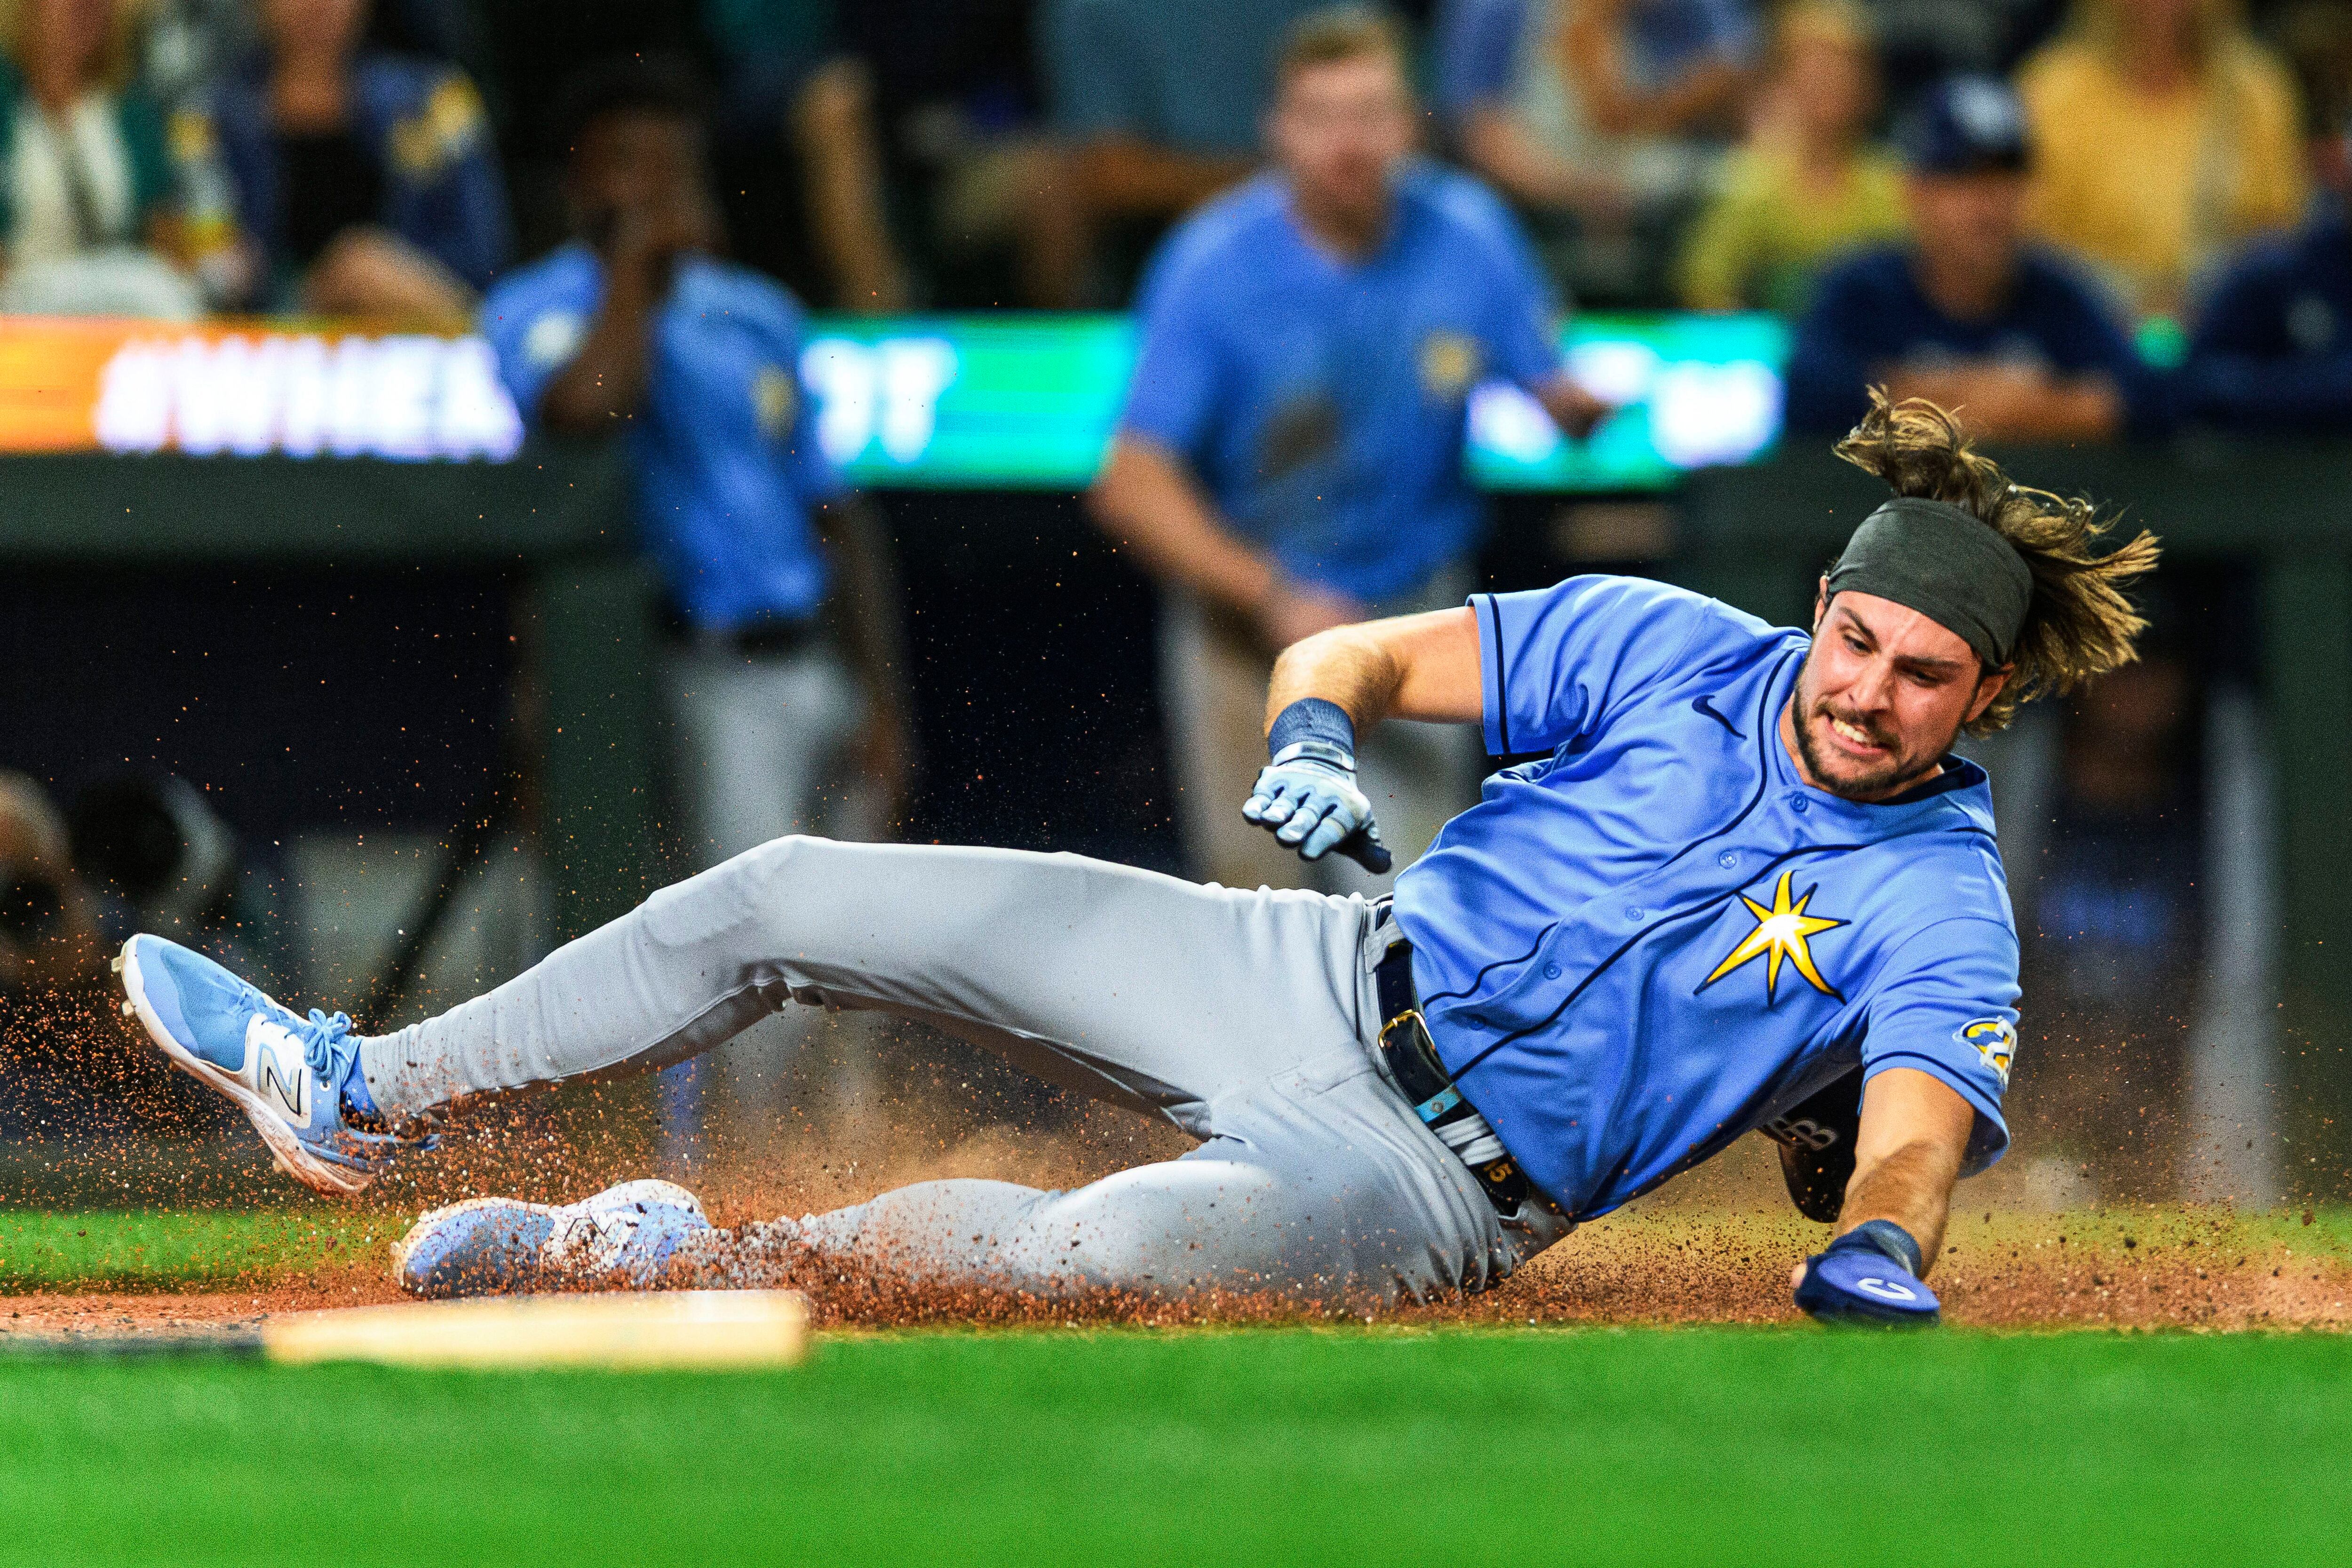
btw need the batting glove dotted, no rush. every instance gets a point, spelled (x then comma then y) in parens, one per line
(1307, 796)
(1870, 1275)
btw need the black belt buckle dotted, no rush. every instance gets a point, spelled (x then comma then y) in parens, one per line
(1411, 1057)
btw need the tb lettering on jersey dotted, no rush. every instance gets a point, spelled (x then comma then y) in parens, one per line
(1803, 1132)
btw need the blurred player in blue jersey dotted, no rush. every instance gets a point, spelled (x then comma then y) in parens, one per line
(1746, 878)
(780, 670)
(1291, 458)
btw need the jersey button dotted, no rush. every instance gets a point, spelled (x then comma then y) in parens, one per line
(1551, 972)
(1801, 805)
(1634, 912)
(1727, 859)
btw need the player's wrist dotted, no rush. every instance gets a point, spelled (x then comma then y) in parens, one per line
(1888, 1239)
(1312, 727)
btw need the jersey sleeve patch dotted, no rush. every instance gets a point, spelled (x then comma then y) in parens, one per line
(1994, 1040)
(1948, 1006)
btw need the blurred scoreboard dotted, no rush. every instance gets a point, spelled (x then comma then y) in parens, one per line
(1010, 401)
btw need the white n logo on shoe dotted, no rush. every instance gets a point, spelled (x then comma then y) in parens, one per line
(278, 1068)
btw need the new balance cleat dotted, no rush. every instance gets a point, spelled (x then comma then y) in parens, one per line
(286, 1073)
(485, 1246)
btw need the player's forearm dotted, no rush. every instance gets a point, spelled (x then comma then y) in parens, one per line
(1347, 665)
(1496, 147)
(1913, 1136)
(1146, 503)
(1912, 1185)
(1420, 666)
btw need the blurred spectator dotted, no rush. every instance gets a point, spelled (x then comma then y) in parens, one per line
(1160, 106)
(2315, 36)
(365, 182)
(2163, 136)
(190, 42)
(1968, 314)
(1291, 455)
(790, 79)
(1602, 120)
(86, 199)
(1659, 70)
(538, 47)
(1506, 107)
(48, 931)
(985, 186)
(157, 856)
(70, 1068)
(1805, 186)
(637, 327)
(2272, 349)
(1921, 42)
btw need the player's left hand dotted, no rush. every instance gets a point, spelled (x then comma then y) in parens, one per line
(1863, 1277)
(1574, 409)
(1315, 807)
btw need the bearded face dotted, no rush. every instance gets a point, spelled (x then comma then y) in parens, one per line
(1882, 696)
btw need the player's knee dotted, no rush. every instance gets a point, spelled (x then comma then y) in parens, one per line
(751, 892)
(782, 867)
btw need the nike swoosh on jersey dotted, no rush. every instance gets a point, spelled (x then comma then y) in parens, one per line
(1704, 706)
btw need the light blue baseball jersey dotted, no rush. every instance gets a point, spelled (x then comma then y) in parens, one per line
(1659, 936)
(1324, 403)
(724, 453)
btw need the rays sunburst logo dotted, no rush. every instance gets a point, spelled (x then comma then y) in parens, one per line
(1782, 934)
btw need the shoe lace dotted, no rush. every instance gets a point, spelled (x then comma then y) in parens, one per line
(320, 1041)
(321, 1044)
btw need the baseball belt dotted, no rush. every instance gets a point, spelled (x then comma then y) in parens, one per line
(768, 638)
(1412, 1061)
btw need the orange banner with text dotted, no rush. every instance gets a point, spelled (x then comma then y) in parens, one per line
(69, 385)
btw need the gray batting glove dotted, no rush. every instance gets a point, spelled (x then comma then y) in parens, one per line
(1306, 797)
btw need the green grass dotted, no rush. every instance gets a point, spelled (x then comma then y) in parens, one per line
(1267, 1446)
(1246, 1447)
(181, 1250)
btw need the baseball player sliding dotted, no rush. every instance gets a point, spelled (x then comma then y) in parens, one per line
(1743, 876)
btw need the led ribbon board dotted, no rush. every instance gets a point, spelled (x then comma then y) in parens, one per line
(1030, 402)
(1007, 400)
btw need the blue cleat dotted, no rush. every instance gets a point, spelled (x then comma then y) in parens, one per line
(488, 1246)
(287, 1074)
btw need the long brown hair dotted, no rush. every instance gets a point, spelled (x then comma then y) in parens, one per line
(2079, 624)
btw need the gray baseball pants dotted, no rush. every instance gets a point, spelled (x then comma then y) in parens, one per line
(1247, 1019)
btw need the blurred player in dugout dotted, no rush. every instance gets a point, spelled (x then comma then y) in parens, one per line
(780, 673)
(1291, 453)
(781, 666)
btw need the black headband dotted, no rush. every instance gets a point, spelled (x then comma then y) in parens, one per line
(1945, 562)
